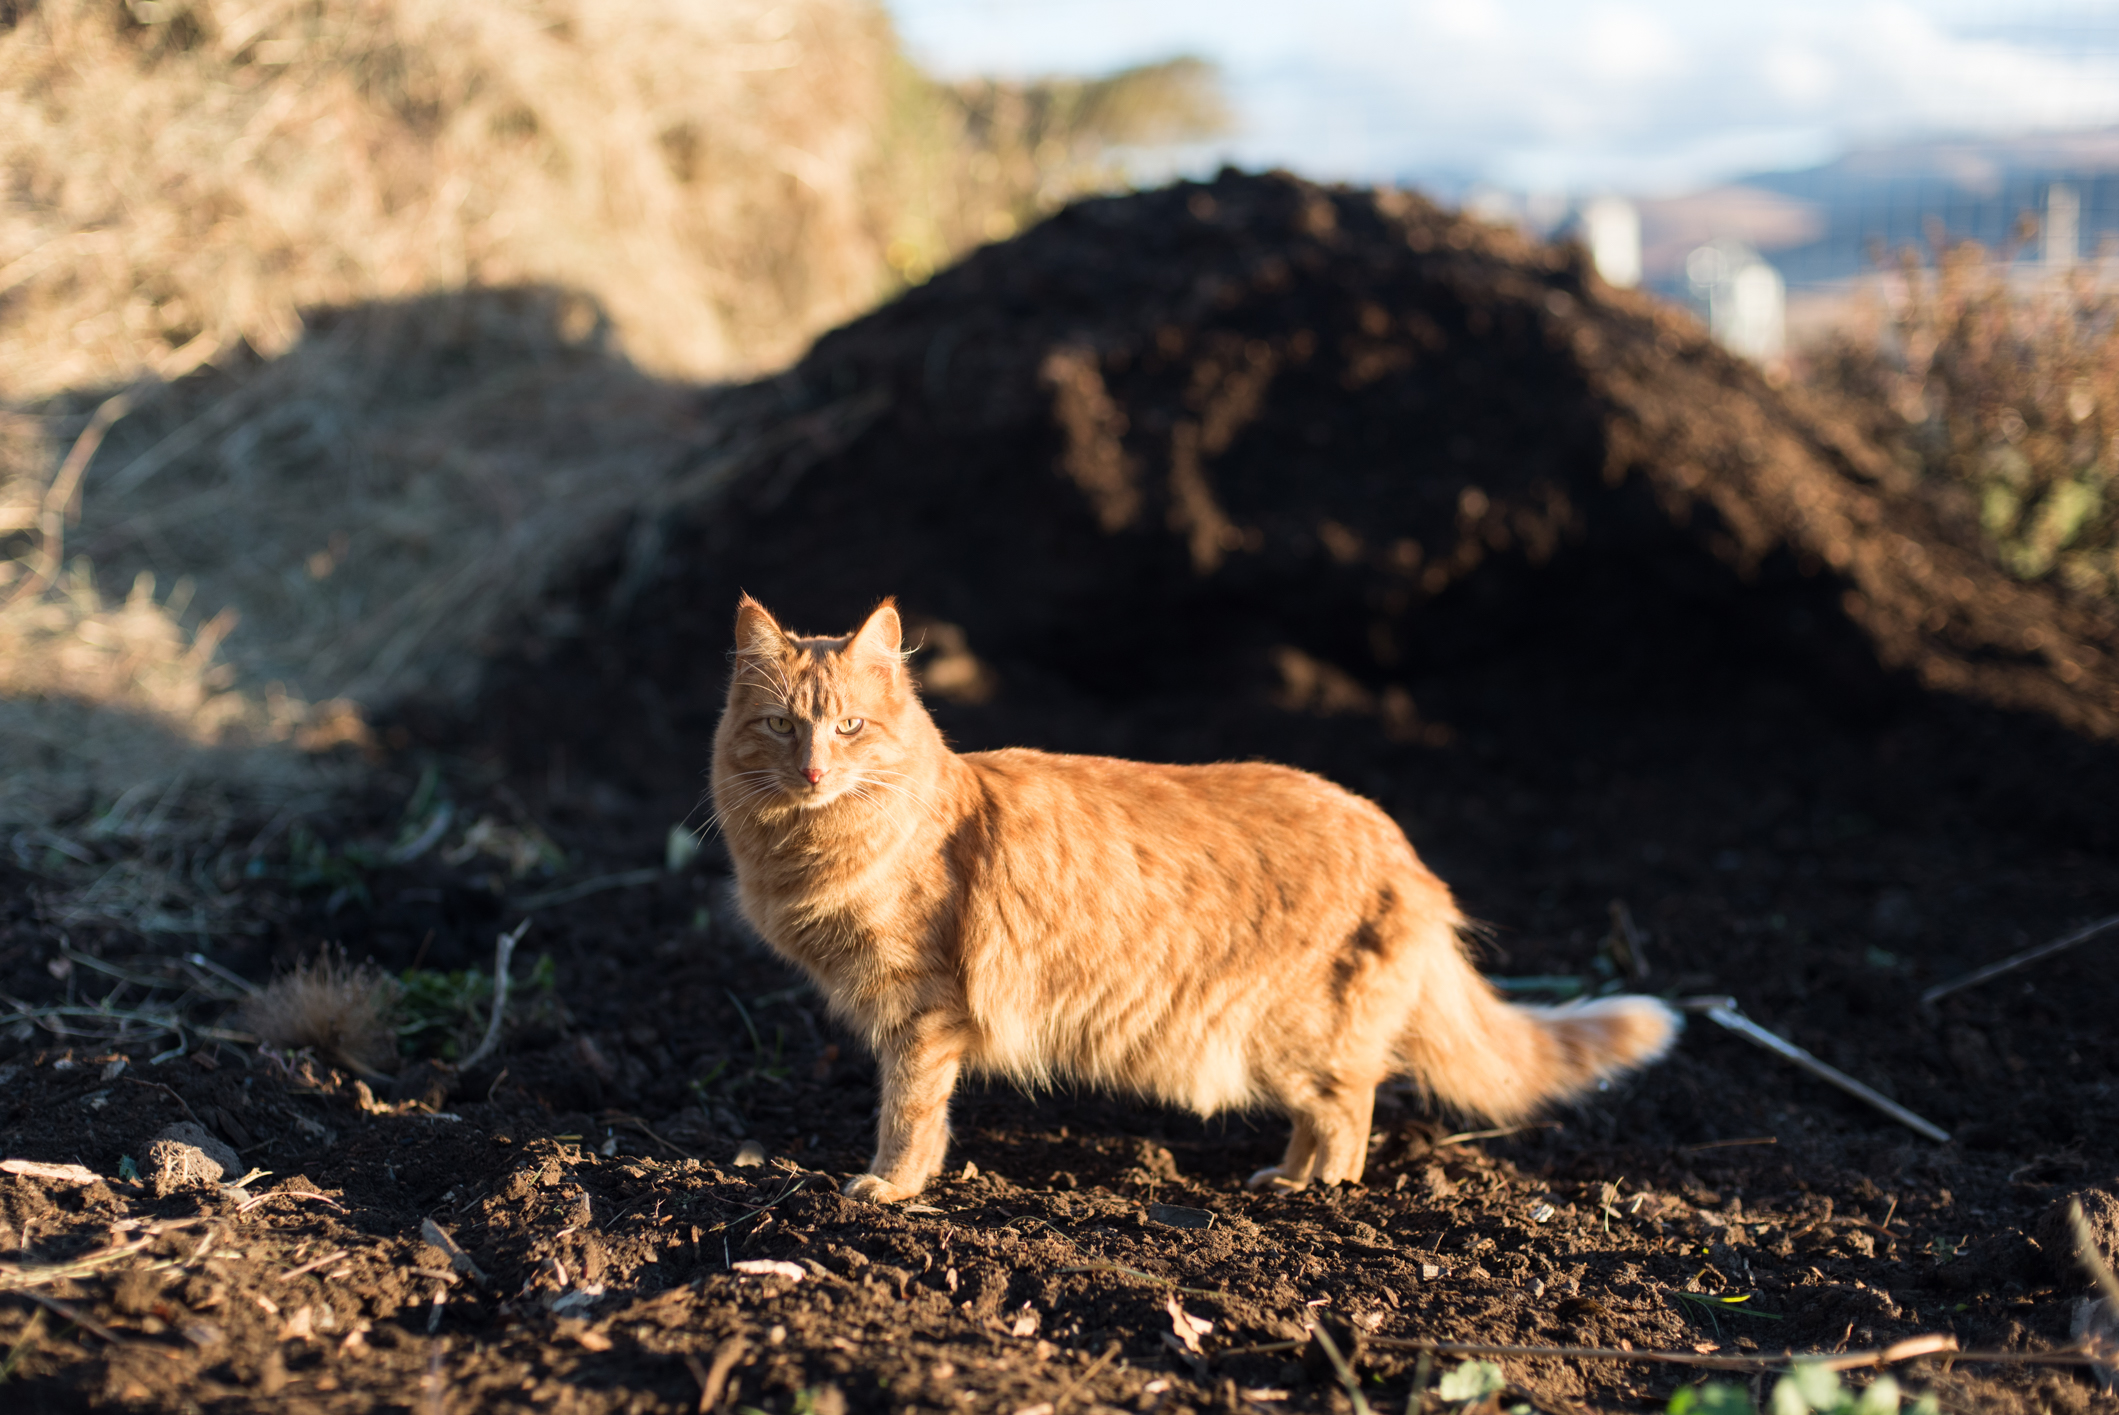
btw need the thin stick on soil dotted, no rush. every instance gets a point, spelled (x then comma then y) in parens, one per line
(636, 1123)
(1933, 1344)
(1170, 1283)
(503, 951)
(1724, 1012)
(74, 1315)
(1731, 1144)
(714, 1378)
(157, 1085)
(1341, 1369)
(21, 1279)
(30, 1333)
(2017, 960)
(62, 1173)
(283, 1193)
(312, 1265)
(1465, 1136)
(1082, 1381)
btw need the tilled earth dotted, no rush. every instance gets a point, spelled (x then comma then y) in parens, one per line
(1262, 470)
(593, 1180)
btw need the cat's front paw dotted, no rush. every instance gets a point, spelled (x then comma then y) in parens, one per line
(876, 1189)
(1275, 1178)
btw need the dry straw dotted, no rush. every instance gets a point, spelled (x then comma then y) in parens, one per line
(332, 331)
(341, 1010)
(1999, 383)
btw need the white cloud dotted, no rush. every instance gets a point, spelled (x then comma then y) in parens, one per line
(1797, 74)
(1628, 44)
(1640, 94)
(1479, 20)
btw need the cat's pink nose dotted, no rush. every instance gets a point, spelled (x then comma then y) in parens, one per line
(815, 774)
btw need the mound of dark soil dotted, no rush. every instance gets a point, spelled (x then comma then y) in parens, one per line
(1260, 448)
(1189, 426)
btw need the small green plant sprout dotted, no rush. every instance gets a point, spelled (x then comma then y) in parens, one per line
(1714, 1306)
(1607, 1201)
(1470, 1382)
(1810, 1388)
(1713, 1398)
(428, 816)
(441, 1013)
(313, 864)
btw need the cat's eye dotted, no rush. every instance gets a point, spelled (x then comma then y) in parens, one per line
(781, 725)
(850, 725)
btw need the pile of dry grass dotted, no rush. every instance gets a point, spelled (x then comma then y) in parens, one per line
(211, 169)
(723, 177)
(336, 328)
(341, 1010)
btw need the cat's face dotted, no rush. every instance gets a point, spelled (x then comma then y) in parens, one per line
(811, 721)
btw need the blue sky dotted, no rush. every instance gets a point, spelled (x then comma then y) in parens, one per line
(1641, 96)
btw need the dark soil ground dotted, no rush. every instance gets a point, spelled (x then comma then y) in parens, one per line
(1815, 790)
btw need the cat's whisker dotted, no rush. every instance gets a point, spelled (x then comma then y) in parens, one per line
(860, 793)
(933, 812)
(751, 791)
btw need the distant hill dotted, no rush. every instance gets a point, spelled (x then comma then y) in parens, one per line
(1823, 225)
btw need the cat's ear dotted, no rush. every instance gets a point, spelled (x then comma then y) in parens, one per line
(757, 632)
(879, 640)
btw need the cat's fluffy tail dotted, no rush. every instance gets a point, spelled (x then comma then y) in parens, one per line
(1504, 1060)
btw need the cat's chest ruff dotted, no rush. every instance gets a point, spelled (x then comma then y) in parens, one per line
(838, 923)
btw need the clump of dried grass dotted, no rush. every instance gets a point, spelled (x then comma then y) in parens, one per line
(343, 1011)
(2000, 387)
(201, 169)
(723, 178)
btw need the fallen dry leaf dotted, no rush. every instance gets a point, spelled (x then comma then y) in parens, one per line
(1187, 1328)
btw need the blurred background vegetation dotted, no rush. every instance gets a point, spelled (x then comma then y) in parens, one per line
(332, 330)
(1999, 392)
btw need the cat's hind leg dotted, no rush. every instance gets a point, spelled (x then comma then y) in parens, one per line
(1331, 1140)
(1343, 1136)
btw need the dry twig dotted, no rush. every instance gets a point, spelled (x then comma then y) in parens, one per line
(1931, 1344)
(2017, 960)
(72, 1314)
(1724, 1012)
(1340, 1368)
(1081, 1382)
(439, 1237)
(171, 1092)
(37, 1169)
(713, 1379)
(503, 952)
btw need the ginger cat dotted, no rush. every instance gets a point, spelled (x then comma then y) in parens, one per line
(1215, 936)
